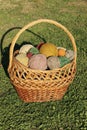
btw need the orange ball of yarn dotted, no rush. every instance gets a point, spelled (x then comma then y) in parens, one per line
(61, 52)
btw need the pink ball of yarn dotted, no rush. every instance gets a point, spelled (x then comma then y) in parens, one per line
(38, 62)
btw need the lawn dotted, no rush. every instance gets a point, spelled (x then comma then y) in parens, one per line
(70, 113)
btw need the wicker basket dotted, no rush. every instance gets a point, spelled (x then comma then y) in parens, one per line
(36, 85)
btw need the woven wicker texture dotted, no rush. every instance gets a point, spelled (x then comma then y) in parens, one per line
(36, 85)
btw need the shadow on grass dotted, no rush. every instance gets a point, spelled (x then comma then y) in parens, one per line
(5, 51)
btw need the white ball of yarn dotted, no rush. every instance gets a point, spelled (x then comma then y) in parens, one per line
(70, 54)
(25, 48)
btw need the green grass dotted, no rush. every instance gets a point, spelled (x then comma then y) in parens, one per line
(71, 112)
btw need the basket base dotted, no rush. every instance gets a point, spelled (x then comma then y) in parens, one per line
(41, 86)
(41, 95)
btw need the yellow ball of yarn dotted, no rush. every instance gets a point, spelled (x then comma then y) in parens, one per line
(49, 49)
(23, 59)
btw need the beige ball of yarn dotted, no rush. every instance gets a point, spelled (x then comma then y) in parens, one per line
(23, 59)
(53, 62)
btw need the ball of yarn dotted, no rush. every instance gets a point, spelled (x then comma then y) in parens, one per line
(70, 54)
(53, 62)
(63, 61)
(49, 49)
(23, 59)
(34, 50)
(39, 45)
(25, 48)
(61, 52)
(29, 54)
(38, 62)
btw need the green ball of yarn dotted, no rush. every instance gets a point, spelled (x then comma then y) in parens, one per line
(34, 50)
(63, 60)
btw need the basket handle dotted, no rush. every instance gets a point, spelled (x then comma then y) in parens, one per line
(34, 23)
